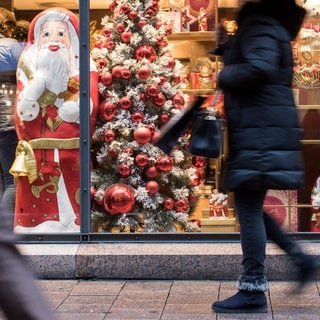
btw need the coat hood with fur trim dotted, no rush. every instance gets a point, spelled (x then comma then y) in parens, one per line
(289, 15)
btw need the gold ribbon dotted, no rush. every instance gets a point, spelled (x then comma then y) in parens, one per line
(24, 163)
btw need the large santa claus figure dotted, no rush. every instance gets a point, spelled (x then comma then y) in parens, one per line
(47, 164)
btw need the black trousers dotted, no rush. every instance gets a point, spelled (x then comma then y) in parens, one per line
(20, 297)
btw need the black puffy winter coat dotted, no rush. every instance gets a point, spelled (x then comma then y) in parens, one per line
(263, 129)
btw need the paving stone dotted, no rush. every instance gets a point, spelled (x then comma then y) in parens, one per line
(169, 300)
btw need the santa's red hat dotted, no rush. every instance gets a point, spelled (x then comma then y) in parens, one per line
(53, 14)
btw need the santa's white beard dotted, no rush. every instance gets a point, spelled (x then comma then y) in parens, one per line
(54, 67)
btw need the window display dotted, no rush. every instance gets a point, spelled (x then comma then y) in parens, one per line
(145, 190)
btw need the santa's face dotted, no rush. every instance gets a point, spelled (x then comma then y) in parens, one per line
(54, 35)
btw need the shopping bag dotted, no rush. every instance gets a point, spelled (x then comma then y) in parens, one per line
(206, 132)
(206, 136)
(173, 130)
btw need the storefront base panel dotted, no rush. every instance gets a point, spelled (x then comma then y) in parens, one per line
(174, 261)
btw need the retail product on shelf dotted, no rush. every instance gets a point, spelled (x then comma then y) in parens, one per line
(307, 49)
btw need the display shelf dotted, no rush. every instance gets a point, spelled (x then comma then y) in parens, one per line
(199, 92)
(219, 225)
(193, 36)
(309, 106)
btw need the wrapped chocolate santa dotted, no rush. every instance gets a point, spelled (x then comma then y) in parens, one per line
(47, 110)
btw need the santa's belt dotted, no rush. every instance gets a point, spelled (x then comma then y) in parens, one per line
(50, 143)
(25, 161)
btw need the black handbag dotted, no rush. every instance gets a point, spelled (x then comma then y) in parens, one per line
(172, 130)
(206, 133)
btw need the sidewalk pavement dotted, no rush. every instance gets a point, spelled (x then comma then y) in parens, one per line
(169, 300)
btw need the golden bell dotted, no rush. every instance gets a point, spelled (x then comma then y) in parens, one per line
(19, 166)
(314, 217)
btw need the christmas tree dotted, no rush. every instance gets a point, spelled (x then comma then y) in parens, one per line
(136, 187)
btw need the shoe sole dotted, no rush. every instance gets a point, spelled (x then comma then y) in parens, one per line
(262, 309)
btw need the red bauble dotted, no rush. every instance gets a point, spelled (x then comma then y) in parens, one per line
(142, 160)
(149, 13)
(118, 198)
(126, 74)
(109, 135)
(125, 8)
(168, 203)
(164, 118)
(142, 135)
(126, 36)
(124, 170)
(163, 80)
(159, 100)
(146, 52)
(125, 103)
(110, 44)
(106, 78)
(171, 63)
(92, 192)
(153, 90)
(113, 5)
(120, 27)
(132, 14)
(113, 152)
(106, 31)
(102, 63)
(198, 161)
(107, 110)
(142, 23)
(164, 163)
(99, 44)
(137, 116)
(144, 73)
(178, 101)
(181, 205)
(152, 172)
(152, 187)
(117, 71)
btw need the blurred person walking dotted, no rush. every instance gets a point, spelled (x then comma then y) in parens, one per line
(264, 139)
(10, 51)
(20, 297)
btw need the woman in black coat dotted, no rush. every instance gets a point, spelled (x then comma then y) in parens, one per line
(264, 139)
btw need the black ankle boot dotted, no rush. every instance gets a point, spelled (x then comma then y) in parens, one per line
(307, 269)
(242, 302)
